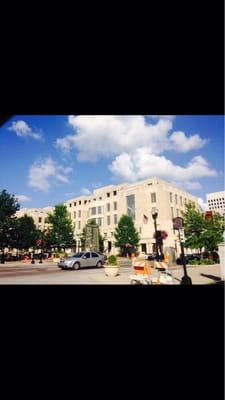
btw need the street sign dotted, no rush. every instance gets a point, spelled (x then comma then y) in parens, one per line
(177, 223)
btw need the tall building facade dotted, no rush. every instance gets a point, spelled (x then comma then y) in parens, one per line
(107, 204)
(39, 215)
(216, 202)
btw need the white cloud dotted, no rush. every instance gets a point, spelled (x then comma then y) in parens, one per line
(22, 129)
(142, 164)
(85, 191)
(202, 204)
(101, 136)
(22, 198)
(180, 142)
(45, 172)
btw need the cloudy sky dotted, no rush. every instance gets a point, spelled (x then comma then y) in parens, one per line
(45, 160)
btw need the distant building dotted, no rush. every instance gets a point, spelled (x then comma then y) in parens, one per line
(39, 215)
(216, 202)
(107, 204)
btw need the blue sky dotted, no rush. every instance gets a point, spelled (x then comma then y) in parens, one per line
(45, 160)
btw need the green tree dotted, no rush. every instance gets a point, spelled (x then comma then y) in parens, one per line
(61, 230)
(126, 235)
(213, 233)
(201, 232)
(83, 236)
(26, 233)
(194, 225)
(8, 208)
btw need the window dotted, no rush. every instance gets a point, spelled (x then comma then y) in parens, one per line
(79, 225)
(39, 219)
(112, 234)
(99, 210)
(172, 212)
(108, 220)
(100, 198)
(93, 211)
(79, 202)
(108, 194)
(94, 199)
(177, 212)
(105, 235)
(176, 198)
(99, 222)
(115, 205)
(87, 255)
(114, 193)
(149, 184)
(140, 229)
(74, 214)
(108, 207)
(115, 218)
(171, 197)
(70, 204)
(153, 197)
(74, 204)
(181, 201)
(131, 206)
(85, 201)
(79, 214)
(95, 255)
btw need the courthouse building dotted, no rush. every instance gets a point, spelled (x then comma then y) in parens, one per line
(39, 215)
(107, 204)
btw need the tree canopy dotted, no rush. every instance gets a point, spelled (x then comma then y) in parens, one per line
(201, 232)
(8, 208)
(126, 234)
(61, 230)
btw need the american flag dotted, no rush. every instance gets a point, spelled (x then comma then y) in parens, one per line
(145, 219)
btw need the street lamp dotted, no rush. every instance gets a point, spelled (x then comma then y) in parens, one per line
(154, 213)
(178, 225)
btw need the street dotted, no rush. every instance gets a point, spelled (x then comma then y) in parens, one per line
(49, 273)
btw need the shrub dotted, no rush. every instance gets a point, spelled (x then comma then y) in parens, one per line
(112, 260)
(205, 261)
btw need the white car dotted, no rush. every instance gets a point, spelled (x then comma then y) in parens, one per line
(82, 259)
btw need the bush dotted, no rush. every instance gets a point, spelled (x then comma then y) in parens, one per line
(205, 261)
(112, 260)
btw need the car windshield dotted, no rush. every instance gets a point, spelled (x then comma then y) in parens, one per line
(78, 255)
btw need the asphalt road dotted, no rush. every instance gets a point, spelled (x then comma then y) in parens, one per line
(49, 273)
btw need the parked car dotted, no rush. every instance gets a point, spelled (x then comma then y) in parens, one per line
(150, 257)
(102, 254)
(82, 259)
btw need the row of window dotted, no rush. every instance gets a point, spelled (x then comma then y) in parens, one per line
(40, 220)
(220, 199)
(173, 213)
(99, 221)
(182, 201)
(96, 210)
(88, 201)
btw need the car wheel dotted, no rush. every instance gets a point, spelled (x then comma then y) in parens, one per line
(76, 266)
(99, 264)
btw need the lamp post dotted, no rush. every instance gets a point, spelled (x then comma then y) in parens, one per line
(154, 213)
(178, 225)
